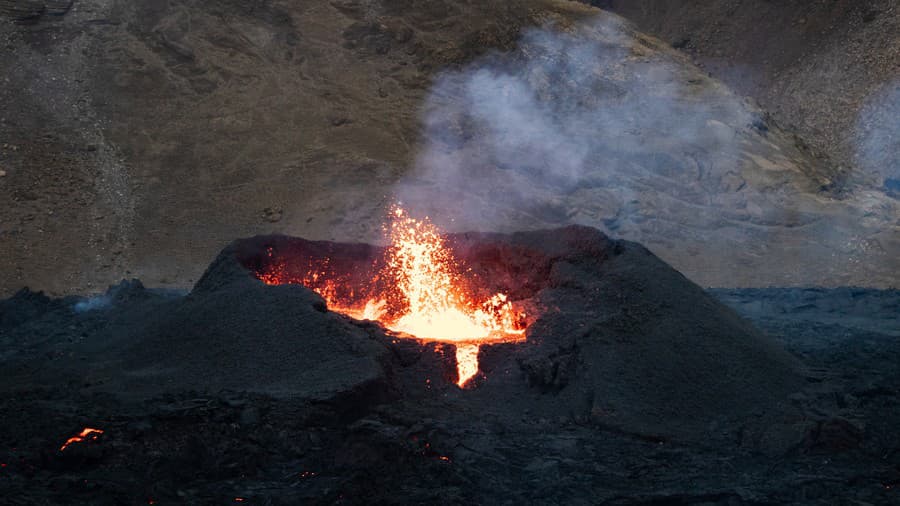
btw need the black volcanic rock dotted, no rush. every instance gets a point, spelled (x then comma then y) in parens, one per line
(617, 338)
(620, 338)
(277, 341)
(634, 386)
(25, 305)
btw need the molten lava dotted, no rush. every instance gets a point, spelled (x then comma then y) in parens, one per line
(86, 434)
(419, 291)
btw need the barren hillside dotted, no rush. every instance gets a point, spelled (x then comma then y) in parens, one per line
(139, 137)
(830, 70)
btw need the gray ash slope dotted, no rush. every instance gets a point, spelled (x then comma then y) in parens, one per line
(634, 386)
(827, 69)
(139, 137)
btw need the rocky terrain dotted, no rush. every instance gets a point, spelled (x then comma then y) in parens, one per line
(743, 143)
(828, 70)
(634, 386)
(137, 138)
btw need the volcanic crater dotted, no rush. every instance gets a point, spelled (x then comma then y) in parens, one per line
(613, 334)
(620, 357)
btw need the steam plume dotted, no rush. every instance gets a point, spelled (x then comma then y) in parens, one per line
(565, 129)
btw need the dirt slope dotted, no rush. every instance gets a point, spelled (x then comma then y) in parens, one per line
(823, 69)
(137, 138)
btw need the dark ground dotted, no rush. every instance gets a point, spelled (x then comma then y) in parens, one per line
(230, 394)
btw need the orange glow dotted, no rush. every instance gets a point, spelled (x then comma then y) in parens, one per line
(86, 434)
(420, 292)
(466, 362)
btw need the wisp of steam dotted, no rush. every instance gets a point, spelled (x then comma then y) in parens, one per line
(878, 129)
(566, 128)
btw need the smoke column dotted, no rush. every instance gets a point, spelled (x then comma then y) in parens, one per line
(569, 128)
(878, 132)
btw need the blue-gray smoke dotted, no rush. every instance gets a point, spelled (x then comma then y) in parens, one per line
(567, 128)
(878, 131)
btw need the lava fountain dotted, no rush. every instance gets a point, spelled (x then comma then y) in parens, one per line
(419, 290)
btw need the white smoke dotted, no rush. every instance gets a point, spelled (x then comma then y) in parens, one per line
(878, 132)
(92, 304)
(565, 128)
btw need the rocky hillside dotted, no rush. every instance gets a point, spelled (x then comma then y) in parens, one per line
(829, 70)
(138, 137)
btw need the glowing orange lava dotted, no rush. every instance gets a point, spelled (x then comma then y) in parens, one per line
(420, 291)
(86, 434)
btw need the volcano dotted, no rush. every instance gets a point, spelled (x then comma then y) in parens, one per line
(613, 335)
(613, 332)
(369, 357)
(619, 355)
(416, 287)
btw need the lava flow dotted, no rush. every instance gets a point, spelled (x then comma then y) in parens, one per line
(86, 434)
(419, 291)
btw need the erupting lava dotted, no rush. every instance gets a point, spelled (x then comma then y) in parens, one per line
(419, 291)
(86, 434)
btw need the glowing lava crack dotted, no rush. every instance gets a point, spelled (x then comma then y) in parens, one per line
(419, 291)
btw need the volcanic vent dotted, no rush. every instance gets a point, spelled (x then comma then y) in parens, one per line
(601, 329)
(417, 286)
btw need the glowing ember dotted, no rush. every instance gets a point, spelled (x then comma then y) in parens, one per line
(420, 292)
(86, 434)
(466, 362)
